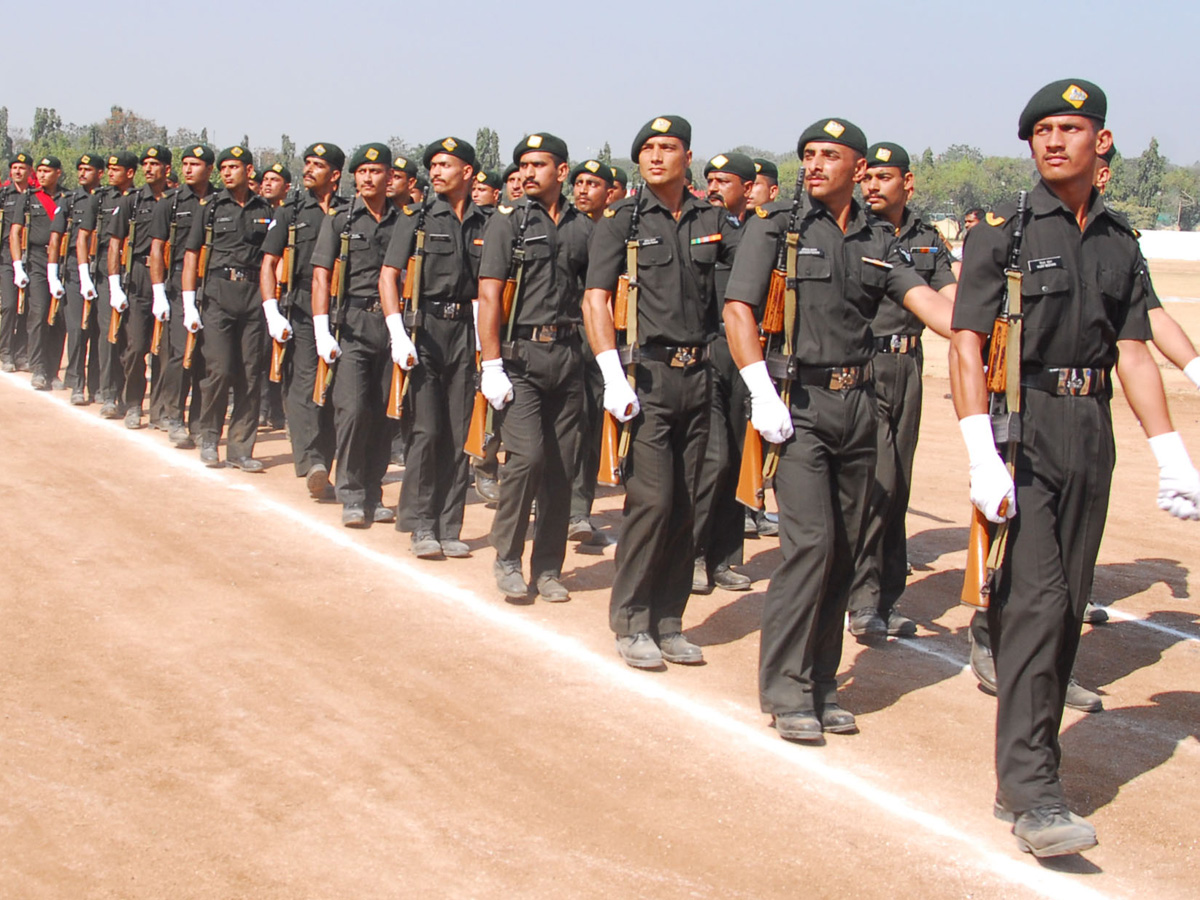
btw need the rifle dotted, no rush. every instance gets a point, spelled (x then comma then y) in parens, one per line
(189, 347)
(93, 247)
(285, 276)
(1004, 389)
(481, 431)
(410, 299)
(114, 322)
(24, 254)
(156, 340)
(337, 291)
(64, 243)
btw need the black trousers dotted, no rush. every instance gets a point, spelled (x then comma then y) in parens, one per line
(720, 519)
(180, 384)
(83, 364)
(138, 324)
(587, 456)
(1064, 473)
(37, 308)
(654, 557)
(441, 390)
(824, 477)
(233, 328)
(359, 393)
(310, 427)
(541, 437)
(881, 570)
(112, 374)
(13, 328)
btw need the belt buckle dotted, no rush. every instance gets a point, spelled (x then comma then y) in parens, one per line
(683, 357)
(897, 343)
(842, 378)
(237, 274)
(546, 334)
(1071, 382)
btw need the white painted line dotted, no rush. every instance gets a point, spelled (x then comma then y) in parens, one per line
(1017, 871)
(1153, 626)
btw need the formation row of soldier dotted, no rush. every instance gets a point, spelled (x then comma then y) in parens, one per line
(677, 316)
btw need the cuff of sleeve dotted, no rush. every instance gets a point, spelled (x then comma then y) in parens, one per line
(1192, 371)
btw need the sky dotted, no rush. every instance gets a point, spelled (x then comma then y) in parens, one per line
(927, 74)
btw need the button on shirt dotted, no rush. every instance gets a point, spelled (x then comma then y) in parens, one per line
(931, 259)
(450, 272)
(309, 217)
(556, 259)
(368, 243)
(238, 231)
(677, 260)
(841, 278)
(1081, 292)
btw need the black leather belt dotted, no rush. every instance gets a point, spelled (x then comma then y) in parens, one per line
(546, 334)
(233, 273)
(676, 356)
(835, 378)
(370, 304)
(144, 260)
(1067, 382)
(442, 310)
(898, 343)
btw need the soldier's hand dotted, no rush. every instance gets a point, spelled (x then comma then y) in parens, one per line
(404, 352)
(160, 308)
(191, 315)
(278, 326)
(620, 400)
(991, 485)
(87, 287)
(768, 414)
(20, 279)
(327, 345)
(57, 291)
(494, 383)
(1178, 480)
(116, 294)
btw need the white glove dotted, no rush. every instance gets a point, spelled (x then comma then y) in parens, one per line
(327, 346)
(991, 484)
(278, 326)
(160, 306)
(116, 296)
(494, 383)
(768, 414)
(619, 398)
(87, 287)
(1178, 480)
(191, 315)
(404, 353)
(57, 291)
(475, 313)
(19, 277)
(1192, 371)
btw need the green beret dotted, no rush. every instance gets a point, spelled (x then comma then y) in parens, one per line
(21, 158)
(282, 171)
(159, 152)
(52, 161)
(452, 145)
(330, 153)
(491, 179)
(620, 176)
(664, 126)
(833, 131)
(508, 172)
(90, 159)
(202, 152)
(541, 142)
(593, 167)
(404, 164)
(1069, 97)
(125, 159)
(738, 164)
(766, 168)
(886, 153)
(371, 153)
(1108, 157)
(236, 153)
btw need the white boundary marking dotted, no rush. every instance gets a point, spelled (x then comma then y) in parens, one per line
(1016, 871)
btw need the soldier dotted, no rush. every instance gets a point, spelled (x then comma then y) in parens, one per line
(591, 182)
(13, 330)
(234, 225)
(486, 193)
(82, 375)
(169, 230)
(681, 239)
(404, 175)
(440, 389)
(620, 187)
(276, 182)
(532, 371)
(98, 219)
(310, 427)
(882, 567)
(420, 184)
(361, 349)
(845, 264)
(1084, 296)
(512, 183)
(132, 295)
(720, 519)
(766, 183)
(487, 190)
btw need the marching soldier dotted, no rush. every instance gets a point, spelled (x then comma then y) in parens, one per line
(440, 389)
(680, 240)
(13, 330)
(420, 184)
(276, 182)
(233, 225)
(361, 349)
(620, 187)
(1084, 299)
(487, 190)
(310, 427)
(531, 372)
(845, 263)
(591, 182)
(404, 176)
(512, 182)
(881, 570)
(766, 183)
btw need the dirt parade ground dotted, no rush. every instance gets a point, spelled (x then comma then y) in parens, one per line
(211, 689)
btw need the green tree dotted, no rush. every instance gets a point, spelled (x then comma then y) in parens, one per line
(606, 154)
(487, 149)
(6, 144)
(287, 150)
(46, 125)
(1146, 189)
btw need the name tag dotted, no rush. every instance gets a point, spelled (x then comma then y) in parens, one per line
(707, 239)
(1050, 262)
(649, 242)
(438, 237)
(810, 251)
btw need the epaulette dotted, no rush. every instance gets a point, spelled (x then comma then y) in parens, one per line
(1001, 214)
(409, 211)
(1121, 221)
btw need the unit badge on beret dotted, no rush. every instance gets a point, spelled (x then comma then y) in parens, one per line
(400, 162)
(1075, 95)
(883, 154)
(534, 141)
(319, 149)
(278, 167)
(198, 151)
(834, 128)
(449, 143)
(481, 177)
(236, 151)
(44, 162)
(112, 160)
(372, 154)
(719, 161)
(660, 125)
(153, 151)
(757, 167)
(592, 166)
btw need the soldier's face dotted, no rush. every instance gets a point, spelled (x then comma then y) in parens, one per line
(88, 176)
(234, 174)
(155, 172)
(317, 173)
(47, 177)
(449, 174)
(483, 194)
(886, 189)
(591, 194)
(371, 180)
(615, 193)
(1065, 148)
(830, 170)
(120, 177)
(400, 185)
(664, 161)
(19, 173)
(195, 171)
(273, 186)
(728, 190)
(765, 191)
(970, 220)
(515, 190)
(543, 175)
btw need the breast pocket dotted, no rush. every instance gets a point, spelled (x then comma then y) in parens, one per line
(256, 232)
(655, 255)
(811, 267)
(704, 255)
(924, 262)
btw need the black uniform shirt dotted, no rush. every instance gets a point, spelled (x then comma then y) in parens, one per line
(724, 269)
(1081, 291)
(556, 259)
(98, 211)
(238, 231)
(38, 237)
(70, 208)
(842, 278)
(450, 273)
(677, 299)
(309, 217)
(368, 245)
(136, 207)
(180, 207)
(931, 259)
(12, 202)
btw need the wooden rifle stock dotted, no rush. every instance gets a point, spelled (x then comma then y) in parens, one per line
(977, 587)
(24, 260)
(167, 256)
(772, 320)
(410, 279)
(610, 466)
(621, 304)
(156, 338)
(335, 280)
(114, 327)
(189, 349)
(322, 381)
(997, 361)
(507, 296)
(395, 405)
(750, 491)
(276, 372)
(476, 443)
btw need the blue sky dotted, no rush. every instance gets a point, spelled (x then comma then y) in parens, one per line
(923, 74)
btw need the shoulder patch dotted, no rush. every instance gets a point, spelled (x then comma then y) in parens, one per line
(409, 211)
(994, 220)
(761, 212)
(609, 213)
(504, 210)
(333, 211)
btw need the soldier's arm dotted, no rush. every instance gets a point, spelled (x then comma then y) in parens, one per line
(748, 285)
(931, 307)
(191, 269)
(158, 261)
(980, 293)
(52, 249)
(741, 330)
(267, 276)
(1171, 339)
(320, 290)
(598, 320)
(114, 256)
(491, 315)
(389, 289)
(1143, 387)
(394, 261)
(967, 384)
(14, 240)
(323, 259)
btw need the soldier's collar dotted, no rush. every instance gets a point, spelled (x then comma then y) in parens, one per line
(1043, 201)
